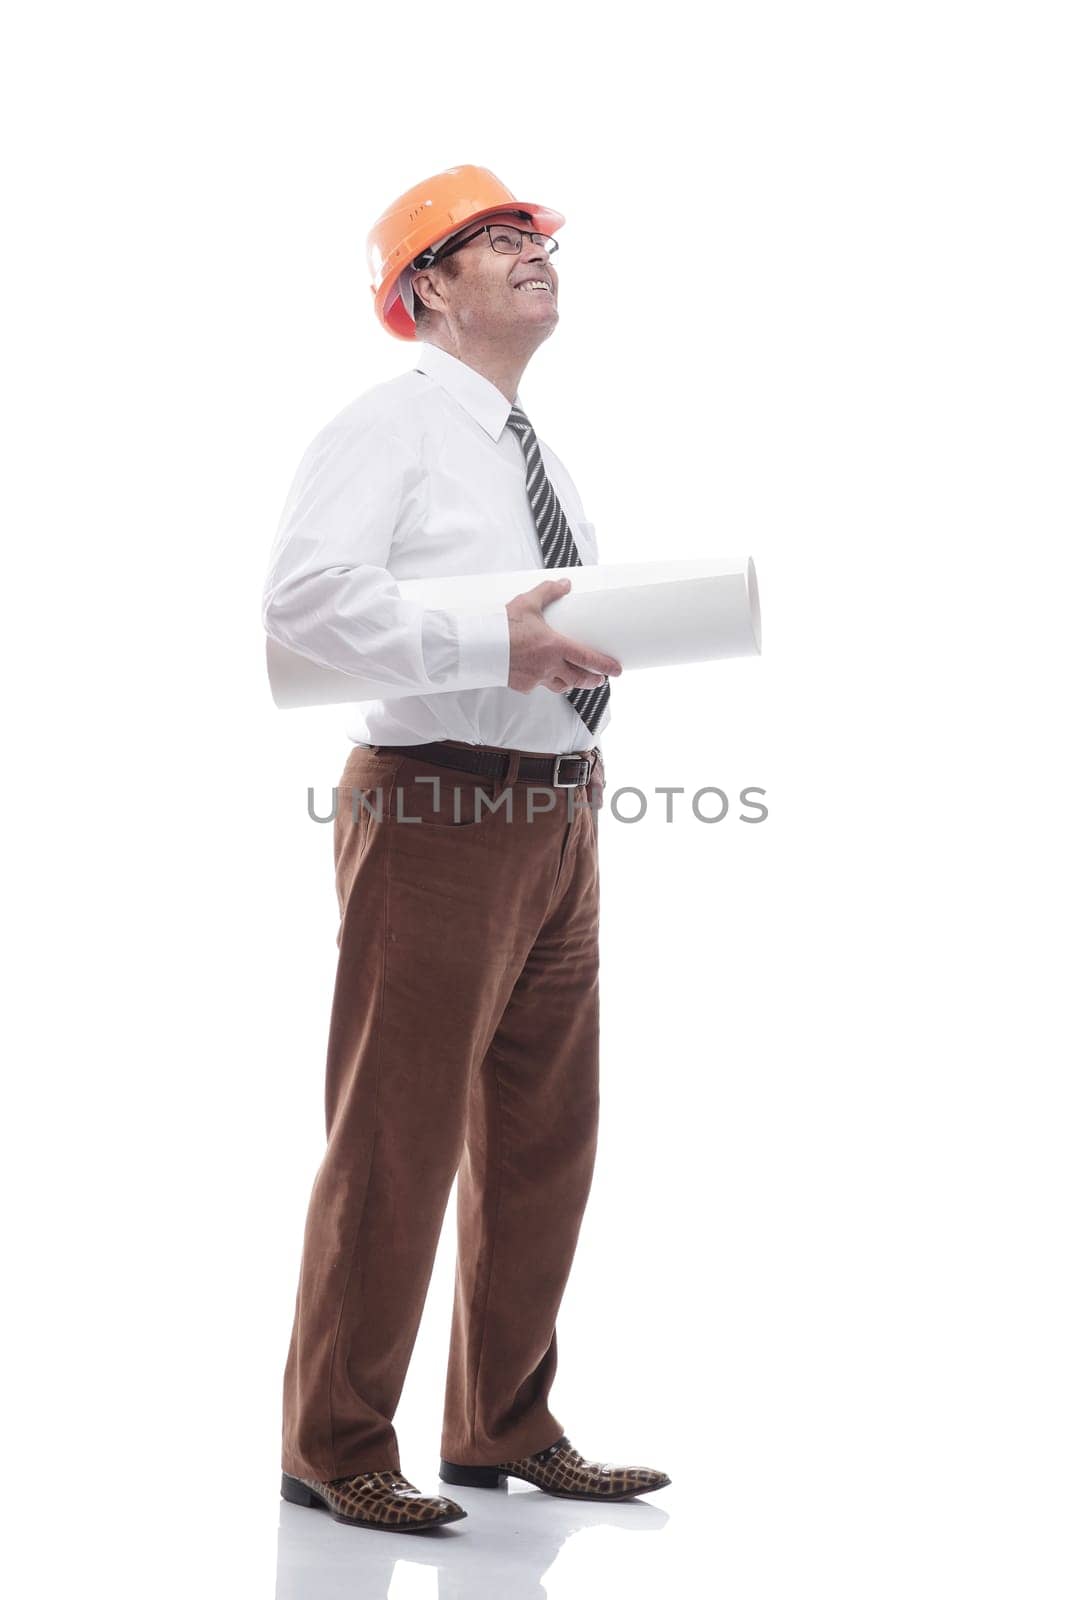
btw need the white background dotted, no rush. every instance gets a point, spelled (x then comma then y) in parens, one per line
(812, 309)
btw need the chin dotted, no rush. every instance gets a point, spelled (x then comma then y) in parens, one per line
(552, 306)
(548, 316)
(544, 322)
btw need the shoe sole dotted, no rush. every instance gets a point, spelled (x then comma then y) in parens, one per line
(496, 1478)
(298, 1493)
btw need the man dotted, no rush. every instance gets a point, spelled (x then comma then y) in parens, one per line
(465, 1023)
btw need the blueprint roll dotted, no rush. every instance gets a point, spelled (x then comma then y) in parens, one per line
(646, 614)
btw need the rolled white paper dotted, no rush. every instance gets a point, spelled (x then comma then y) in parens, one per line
(645, 613)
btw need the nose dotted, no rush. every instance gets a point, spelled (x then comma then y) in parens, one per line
(535, 255)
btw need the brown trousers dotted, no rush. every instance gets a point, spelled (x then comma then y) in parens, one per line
(464, 1037)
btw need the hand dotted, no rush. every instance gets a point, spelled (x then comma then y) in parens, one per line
(541, 657)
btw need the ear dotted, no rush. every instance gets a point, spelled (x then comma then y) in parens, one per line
(422, 281)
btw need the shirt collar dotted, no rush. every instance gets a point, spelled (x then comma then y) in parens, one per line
(479, 398)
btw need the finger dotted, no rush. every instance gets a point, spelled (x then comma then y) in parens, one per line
(551, 589)
(581, 655)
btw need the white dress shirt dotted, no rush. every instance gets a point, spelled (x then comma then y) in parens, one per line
(420, 476)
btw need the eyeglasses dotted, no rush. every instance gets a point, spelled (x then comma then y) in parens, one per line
(503, 238)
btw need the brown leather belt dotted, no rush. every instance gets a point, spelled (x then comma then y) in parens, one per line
(568, 771)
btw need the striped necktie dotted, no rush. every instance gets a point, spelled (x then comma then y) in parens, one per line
(557, 546)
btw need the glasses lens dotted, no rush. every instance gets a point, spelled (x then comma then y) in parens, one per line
(509, 241)
(505, 239)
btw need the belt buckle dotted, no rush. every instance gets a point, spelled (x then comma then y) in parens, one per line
(584, 763)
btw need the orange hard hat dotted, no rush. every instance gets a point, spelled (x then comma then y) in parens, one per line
(426, 216)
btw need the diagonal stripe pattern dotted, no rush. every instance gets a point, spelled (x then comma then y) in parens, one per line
(557, 546)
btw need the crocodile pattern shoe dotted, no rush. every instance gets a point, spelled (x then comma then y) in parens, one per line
(373, 1500)
(559, 1469)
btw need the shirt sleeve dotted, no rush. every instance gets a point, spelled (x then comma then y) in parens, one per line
(329, 594)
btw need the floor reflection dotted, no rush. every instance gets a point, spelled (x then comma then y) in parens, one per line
(505, 1547)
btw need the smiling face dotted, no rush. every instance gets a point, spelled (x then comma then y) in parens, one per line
(487, 293)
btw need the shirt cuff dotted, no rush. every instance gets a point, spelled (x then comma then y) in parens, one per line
(484, 650)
